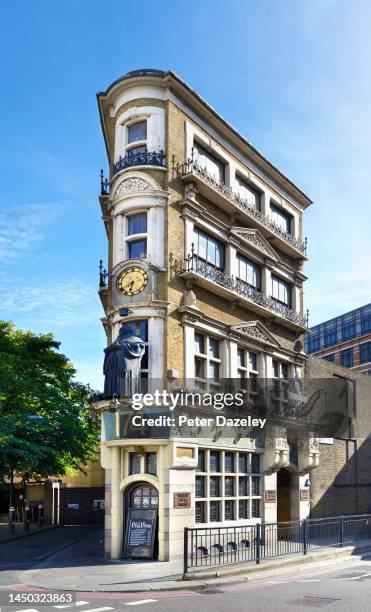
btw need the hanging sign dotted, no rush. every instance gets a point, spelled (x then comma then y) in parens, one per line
(140, 533)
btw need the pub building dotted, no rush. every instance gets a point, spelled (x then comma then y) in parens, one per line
(203, 280)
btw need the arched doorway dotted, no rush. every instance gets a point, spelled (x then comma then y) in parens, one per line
(141, 505)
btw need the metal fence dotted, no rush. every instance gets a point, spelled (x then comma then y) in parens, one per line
(214, 546)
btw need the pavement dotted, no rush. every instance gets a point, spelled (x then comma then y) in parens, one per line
(6, 535)
(71, 558)
(341, 584)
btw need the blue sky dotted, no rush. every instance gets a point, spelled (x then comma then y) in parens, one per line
(292, 76)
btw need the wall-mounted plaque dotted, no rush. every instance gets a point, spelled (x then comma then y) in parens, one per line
(270, 497)
(304, 494)
(140, 533)
(182, 500)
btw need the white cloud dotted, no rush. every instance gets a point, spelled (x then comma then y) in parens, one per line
(22, 226)
(54, 304)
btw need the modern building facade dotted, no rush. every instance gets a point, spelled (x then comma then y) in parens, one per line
(205, 261)
(344, 340)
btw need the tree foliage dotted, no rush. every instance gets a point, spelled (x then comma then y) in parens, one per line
(46, 426)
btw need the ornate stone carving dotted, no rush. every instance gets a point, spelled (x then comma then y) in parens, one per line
(255, 330)
(308, 448)
(277, 449)
(190, 190)
(132, 184)
(190, 298)
(255, 239)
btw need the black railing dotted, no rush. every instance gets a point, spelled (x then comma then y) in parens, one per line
(144, 158)
(214, 546)
(192, 166)
(194, 263)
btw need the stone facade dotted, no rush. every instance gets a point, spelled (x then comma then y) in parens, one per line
(244, 330)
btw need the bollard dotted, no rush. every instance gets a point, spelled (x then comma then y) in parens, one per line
(26, 518)
(12, 519)
(40, 515)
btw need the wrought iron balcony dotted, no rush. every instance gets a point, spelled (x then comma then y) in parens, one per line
(144, 158)
(192, 168)
(193, 265)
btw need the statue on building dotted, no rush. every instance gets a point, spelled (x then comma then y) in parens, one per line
(121, 366)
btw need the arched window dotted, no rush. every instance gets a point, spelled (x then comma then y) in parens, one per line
(144, 496)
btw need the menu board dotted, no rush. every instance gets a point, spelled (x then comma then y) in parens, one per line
(140, 533)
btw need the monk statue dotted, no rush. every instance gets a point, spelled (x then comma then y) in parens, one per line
(121, 366)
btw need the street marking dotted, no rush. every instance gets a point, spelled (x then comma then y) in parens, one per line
(28, 610)
(72, 605)
(99, 609)
(359, 577)
(140, 602)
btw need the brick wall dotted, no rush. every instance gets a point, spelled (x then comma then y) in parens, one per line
(342, 482)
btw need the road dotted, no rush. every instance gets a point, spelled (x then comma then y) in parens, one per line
(343, 587)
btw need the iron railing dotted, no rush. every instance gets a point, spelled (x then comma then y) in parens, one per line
(144, 158)
(194, 263)
(191, 166)
(215, 546)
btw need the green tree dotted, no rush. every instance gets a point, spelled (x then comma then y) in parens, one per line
(46, 426)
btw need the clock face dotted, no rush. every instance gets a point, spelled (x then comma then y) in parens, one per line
(132, 280)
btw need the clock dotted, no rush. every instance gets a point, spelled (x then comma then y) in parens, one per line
(132, 280)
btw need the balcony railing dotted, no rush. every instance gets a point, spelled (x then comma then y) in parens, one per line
(193, 263)
(144, 158)
(192, 166)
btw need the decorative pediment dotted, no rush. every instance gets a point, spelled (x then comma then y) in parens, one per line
(256, 331)
(256, 240)
(132, 184)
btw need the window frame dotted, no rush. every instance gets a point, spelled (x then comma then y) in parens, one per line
(144, 372)
(278, 214)
(256, 268)
(347, 356)
(135, 237)
(206, 358)
(214, 159)
(242, 506)
(239, 178)
(218, 244)
(286, 284)
(129, 146)
(365, 347)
